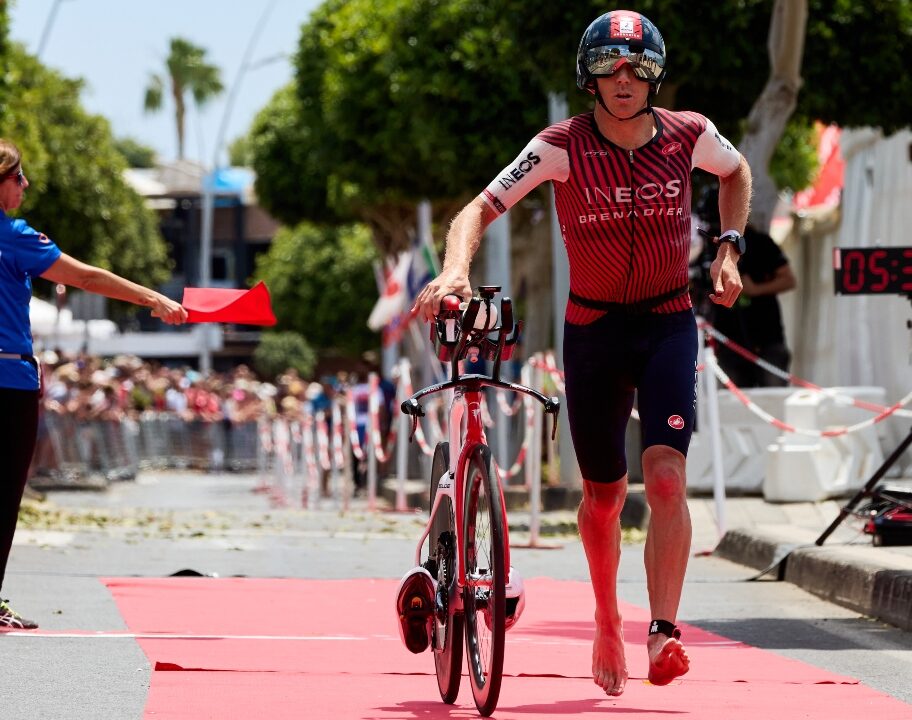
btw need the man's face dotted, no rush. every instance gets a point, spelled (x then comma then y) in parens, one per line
(12, 187)
(624, 93)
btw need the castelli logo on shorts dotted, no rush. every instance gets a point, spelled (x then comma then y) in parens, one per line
(671, 148)
(676, 422)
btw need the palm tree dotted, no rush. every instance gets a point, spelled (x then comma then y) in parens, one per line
(187, 70)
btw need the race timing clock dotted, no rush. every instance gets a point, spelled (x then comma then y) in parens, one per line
(873, 270)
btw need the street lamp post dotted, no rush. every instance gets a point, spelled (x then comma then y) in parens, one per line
(209, 179)
(48, 24)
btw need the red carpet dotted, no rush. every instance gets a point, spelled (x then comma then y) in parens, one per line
(272, 649)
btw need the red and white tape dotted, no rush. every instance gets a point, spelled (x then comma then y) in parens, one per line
(323, 440)
(800, 382)
(517, 465)
(353, 436)
(786, 427)
(406, 379)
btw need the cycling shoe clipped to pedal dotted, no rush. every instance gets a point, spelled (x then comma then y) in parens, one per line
(515, 597)
(415, 609)
(514, 600)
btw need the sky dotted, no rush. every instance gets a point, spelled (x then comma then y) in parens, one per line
(116, 45)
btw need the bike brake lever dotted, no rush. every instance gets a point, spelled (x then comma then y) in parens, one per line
(552, 407)
(414, 428)
(412, 407)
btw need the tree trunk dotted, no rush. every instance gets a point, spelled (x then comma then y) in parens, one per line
(392, 225)
(770, 113)
(179, 113)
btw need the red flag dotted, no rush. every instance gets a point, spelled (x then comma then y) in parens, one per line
(245, 307)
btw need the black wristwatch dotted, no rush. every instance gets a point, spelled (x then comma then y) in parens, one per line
(736, 239)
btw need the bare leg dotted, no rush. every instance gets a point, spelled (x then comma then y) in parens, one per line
(667, 549)
(600, 529)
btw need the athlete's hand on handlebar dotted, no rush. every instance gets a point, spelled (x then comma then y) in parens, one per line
(427, 304)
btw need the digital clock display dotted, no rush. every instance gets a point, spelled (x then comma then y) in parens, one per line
(873, 270)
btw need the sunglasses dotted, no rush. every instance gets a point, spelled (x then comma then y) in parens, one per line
(606, 60)
(20, 178)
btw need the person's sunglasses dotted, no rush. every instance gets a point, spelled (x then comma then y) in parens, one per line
(605, 60)
(20, 178)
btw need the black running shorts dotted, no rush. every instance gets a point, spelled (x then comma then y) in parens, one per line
(606, 362)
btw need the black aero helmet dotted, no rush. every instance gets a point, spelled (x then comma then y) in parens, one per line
(614, 38)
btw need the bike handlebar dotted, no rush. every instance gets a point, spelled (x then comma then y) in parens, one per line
(453, 346)
(412, 406)
(456, 333)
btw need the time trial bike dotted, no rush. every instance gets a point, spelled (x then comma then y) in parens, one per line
(463, 556)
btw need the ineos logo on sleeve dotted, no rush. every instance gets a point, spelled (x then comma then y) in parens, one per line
(516, 174)
(676, 422)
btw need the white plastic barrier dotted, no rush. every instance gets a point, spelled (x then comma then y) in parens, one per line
(744, 438)
(802, 468)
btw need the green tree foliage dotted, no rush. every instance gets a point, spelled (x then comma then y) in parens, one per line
(4, 61)
(856, 63)
(394, 101)
(322, 284)
(240, 153)
(291, 161)
(794, 164)
(186, 71)
(135, 153)
(404, 75)
(77, 193)
(279, 351)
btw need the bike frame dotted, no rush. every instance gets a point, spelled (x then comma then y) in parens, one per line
(466, 432)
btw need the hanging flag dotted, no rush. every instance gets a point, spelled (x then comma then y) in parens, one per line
(422, 269)
(425, 265)
(244, 307)
(393, 295)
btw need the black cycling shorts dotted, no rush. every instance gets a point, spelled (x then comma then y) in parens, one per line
(608, 361)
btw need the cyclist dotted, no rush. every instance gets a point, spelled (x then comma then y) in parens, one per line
(621, 177)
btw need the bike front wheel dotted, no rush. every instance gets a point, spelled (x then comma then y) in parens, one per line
(485, 577)
(446, 639)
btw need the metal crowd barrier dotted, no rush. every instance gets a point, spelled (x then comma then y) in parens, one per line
(94, 453)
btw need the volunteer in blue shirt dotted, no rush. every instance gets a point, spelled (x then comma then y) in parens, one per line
(26, 253)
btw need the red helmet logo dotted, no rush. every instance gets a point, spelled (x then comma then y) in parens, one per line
(671, 148)
(676, 422)
(627, 27)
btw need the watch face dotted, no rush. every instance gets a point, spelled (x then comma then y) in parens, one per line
(737, 240)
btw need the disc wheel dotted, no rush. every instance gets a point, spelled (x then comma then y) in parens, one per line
(446, 640)
(484, 599)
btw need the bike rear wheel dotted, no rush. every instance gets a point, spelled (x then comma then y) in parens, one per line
(485, 574)
(446, 640)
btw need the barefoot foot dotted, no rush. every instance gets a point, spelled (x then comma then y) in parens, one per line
(609, 666)
(667, 659)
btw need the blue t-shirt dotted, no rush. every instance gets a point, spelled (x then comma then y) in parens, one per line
(24, 253)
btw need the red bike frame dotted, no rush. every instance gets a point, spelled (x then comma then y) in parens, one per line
(466, 406)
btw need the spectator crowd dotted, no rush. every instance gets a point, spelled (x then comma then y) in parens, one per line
(93, 388)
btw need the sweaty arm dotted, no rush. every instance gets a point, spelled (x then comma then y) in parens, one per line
(537, 163)
(717, 155)
(69, 271)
